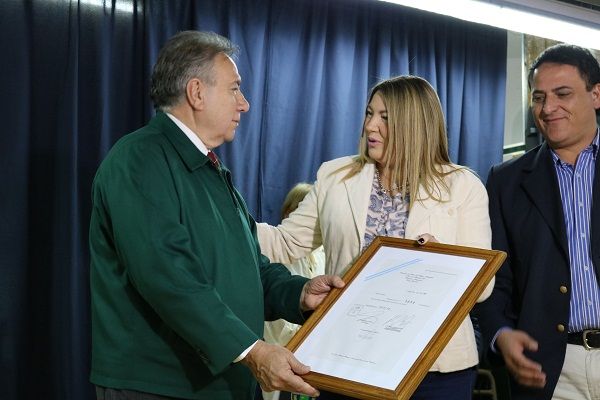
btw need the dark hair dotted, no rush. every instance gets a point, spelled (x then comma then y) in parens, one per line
(569, 54)
(187, 55)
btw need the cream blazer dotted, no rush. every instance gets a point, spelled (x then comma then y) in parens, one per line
(334, 215)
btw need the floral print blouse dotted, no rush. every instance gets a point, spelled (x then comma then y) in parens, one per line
(386, 216)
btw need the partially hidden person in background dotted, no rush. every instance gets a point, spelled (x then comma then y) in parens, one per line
(543, 317)
(179, 287)
(281, 331)
(401, 184)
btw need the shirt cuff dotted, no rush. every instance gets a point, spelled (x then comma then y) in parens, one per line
(245, 353)
(493, 342)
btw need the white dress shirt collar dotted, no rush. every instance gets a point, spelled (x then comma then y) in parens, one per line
(190, 134)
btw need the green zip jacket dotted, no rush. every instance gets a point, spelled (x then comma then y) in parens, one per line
(178, 284)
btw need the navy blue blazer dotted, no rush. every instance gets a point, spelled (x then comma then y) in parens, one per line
(527, 222)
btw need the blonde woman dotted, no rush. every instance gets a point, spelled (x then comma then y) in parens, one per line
(401, 184)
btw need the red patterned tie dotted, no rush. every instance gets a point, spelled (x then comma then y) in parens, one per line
(213, 159)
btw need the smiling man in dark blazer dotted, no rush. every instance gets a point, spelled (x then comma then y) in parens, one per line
(179, 287)
(543, 316)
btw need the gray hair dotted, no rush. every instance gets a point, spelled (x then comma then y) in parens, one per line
(187, 55)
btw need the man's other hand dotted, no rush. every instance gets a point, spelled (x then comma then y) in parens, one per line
(276, 368)
(512, 344)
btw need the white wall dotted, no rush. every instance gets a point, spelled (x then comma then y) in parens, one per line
(516, 94)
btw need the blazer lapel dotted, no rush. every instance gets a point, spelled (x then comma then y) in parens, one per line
(541, 185)
(358, 190)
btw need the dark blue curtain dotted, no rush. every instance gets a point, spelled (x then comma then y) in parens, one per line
(74, 78)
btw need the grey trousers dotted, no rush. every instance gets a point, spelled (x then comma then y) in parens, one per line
(103, 393)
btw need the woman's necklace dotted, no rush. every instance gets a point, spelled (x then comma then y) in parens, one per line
(381, 187)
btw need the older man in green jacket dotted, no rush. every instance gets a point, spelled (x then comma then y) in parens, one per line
(179, 287)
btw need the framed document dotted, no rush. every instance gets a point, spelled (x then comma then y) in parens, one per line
(378, 336)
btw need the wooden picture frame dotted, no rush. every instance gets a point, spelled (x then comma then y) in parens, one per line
(378, 336)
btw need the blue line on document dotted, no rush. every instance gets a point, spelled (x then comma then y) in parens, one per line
(392, 269)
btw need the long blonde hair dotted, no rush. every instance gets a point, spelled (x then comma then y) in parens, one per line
(416, 146)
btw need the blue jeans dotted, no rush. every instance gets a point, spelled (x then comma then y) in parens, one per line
(435, 386)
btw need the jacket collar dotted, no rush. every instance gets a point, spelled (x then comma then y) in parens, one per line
(541, 185)
(358, 190)
(191, 156)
